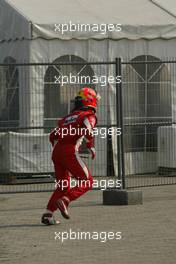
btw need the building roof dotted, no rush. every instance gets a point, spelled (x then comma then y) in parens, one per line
(149, 19)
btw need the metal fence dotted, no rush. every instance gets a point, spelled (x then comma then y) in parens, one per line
(138, 96)
(149, 89)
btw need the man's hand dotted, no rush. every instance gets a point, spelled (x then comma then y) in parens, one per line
(92, 152)
(53, 137)
(54, 144)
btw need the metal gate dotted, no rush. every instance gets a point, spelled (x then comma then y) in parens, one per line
(138, 97)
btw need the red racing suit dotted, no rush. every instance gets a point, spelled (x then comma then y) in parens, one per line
(66, 140)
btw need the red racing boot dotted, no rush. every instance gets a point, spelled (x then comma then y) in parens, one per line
(62, 205)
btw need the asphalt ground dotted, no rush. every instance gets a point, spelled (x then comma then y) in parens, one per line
(147, 232)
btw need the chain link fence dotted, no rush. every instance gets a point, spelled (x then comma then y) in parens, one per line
(149, 89)
(137, 96)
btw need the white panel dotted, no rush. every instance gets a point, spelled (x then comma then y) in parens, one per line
(140, 162)
(167, 146)
(4, 153)
(25, 153)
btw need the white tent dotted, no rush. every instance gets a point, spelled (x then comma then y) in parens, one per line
(148, 19)
(28, 32)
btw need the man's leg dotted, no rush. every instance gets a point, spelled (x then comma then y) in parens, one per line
(62, 186)
(79, 170)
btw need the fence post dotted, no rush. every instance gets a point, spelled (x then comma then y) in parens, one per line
(119, 113)
(115, 196)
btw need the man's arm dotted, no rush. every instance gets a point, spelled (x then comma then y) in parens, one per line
(53, 136)
(89, 123)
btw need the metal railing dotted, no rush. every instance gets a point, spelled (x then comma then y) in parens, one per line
(140, 101)
(149, 118)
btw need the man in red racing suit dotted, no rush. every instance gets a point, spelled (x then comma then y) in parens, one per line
(66, 140)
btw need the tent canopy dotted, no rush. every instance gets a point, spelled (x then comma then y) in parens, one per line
(149, 19)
